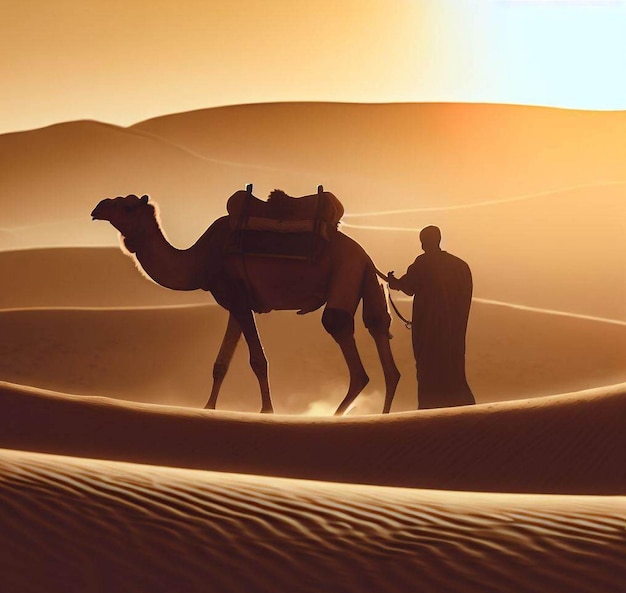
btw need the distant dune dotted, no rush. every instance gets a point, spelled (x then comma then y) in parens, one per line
(166, 355)
(90, 526)
(442, 152)
(562, 250)
(81, 277)
(374, 158)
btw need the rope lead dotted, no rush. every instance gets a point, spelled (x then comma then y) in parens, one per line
(407, 322)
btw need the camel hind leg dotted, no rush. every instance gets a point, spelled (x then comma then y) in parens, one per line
(342, 299)
(340, 325)
(377, 320)
(353, 279)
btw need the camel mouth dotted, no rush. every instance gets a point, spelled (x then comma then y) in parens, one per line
(98, 213)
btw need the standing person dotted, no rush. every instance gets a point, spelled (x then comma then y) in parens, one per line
(442, 287)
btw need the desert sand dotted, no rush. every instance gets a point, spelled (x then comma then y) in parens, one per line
(78, 525)
(112, 476)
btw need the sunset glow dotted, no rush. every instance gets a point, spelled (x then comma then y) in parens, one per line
(124, 62)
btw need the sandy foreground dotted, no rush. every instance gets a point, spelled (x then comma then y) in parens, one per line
(78, 516)
(84, 525)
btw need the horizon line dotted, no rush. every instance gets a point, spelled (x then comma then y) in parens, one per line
(320, 102)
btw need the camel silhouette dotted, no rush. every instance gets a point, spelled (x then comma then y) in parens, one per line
(337, 273)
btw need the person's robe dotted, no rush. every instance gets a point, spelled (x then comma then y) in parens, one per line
(442, 287)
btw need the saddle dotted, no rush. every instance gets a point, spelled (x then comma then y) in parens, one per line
(282, 226)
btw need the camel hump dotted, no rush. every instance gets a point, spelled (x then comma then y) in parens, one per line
(284, 213)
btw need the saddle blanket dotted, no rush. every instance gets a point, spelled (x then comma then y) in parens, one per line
(282, 226)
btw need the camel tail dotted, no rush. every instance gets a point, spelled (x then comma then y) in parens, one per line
(407, 322)
(380, 274)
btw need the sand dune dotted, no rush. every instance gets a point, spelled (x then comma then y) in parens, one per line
(448, 152)
(571, 444)
(83, 525)
(562, 250)
(559, 251)
(81, 277)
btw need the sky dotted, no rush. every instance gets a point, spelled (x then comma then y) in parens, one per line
(124, 61)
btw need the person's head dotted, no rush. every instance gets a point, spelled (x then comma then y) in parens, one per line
(430, 237)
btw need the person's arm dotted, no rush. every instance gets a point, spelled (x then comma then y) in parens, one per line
(405, 283)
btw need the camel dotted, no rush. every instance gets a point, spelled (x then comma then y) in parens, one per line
(340, 278)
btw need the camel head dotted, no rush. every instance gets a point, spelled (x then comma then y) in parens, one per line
(128, 214)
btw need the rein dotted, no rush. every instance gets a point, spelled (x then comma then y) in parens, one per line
(407, 322)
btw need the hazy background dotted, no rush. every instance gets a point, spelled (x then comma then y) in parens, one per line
(504, 122)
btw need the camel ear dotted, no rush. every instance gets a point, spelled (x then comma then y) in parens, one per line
(144, 198)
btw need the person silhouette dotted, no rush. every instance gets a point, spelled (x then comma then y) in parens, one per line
(441, 285)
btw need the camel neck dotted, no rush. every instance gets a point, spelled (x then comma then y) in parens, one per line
(162, 262)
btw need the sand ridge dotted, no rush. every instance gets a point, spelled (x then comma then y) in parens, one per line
(570, 444)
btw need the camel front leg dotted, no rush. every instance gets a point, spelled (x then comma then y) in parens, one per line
(224, 356)
(340, 325)
(258, 362)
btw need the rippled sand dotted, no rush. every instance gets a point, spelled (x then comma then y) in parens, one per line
(83, 525)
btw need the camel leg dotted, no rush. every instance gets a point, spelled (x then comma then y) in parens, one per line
(377, 320)
(258, 362)
(390, 370)
(224, 356)
(340, 325)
